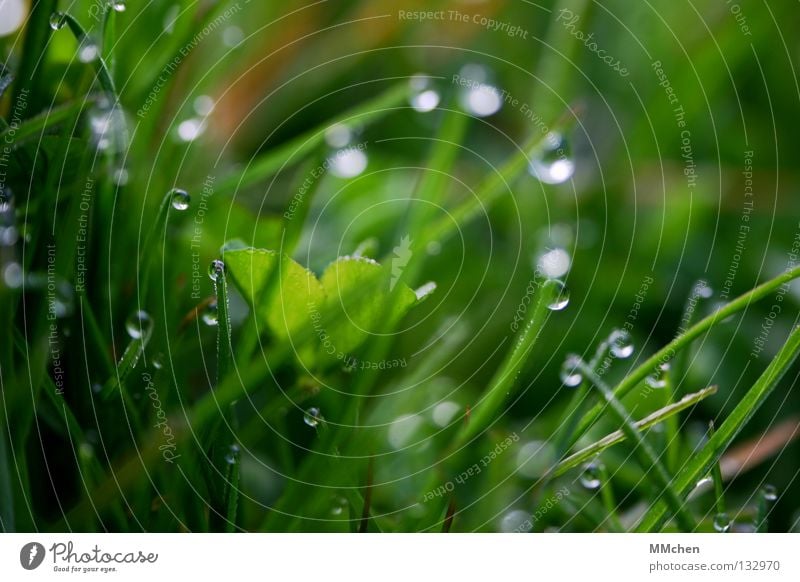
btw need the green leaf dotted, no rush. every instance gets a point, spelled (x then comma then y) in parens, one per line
(285, 311)
(359, 289)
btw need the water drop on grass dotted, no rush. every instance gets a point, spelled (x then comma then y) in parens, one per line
(516, 521)
(444, 413)
(423, 97)
(658, 379)
(570, 375)
(232, 455)
(554, 263)
(118, 5)
(477, 96)
(210, 315)
(215, 269)
(57, 20)
(561, 299)
(203, 105)
(180, 199)
(551, 162)
(338, 135)
(620, 344)
(348, 163)
(722, 522)
(312, 417)
(138, 324)
(190, 129)
(590, 477)
(88, 51)
(12, 275)
(769, 492)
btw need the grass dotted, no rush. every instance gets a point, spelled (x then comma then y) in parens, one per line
(312, 379)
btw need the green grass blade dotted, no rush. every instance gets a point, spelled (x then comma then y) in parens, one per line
(654, 471)
(295, 149)
(585, 454)
(103, 74)
(682, 341)
(701, 462)
(501, 387)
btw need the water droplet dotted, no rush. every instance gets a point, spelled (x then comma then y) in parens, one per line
(722, 522)
(554, 263)
(88, 51)
(425, 290)
(232, 455)
(590, 477)
(232, 36)
(338, 503)
(215, 269)
(12, 275)
(703, 290)
(477, 96)
(561, 299)
(658, 379)
(108, 126)
(570, 374)
(8, 235)
(180, 199)
(120, 176)
(338, 135)
(158, 361)
(58, 20)
(423, 97)
(534, 458)
(118, 5)
(403, 429)
(550, 162)
(312, 417)
(434, 248)
(769, 492)
(444, 413)
(138, 324)
(516, 521)
(348, 163)
(203, 105)
(620, 344)
(210, 315)
(190, 129)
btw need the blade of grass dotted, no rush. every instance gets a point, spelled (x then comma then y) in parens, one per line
(654, 471)
(501, 387)
(37, 40)
(101, 69)
(682, 341)
(716, 476)
(273, 160)
(659, 416)
(701, 462)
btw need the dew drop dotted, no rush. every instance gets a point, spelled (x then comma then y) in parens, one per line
(58, 20)
(554, 263)
(203, 105)
(138, 324)
(590, 477)
(312, 417)
(477, 96)
(108, 126)
(338, 503)
(423, 97)
(210, 315)
(534, 459)
(516, 521)
(658, 379)
(180, 199)
(620, 344)
(570, 374)
(338, 135)
(551, 162)
(424, 291)
(769, 493)
(232, 455)
(215, 269)
(348, 163)
(722, 522)
(12, 275)
(561, 299)
(88, 52)
(118, 5)
(190, 129)
(232, 36)
(445, 412)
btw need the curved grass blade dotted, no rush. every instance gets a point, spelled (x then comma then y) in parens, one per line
(701, 462)
(103, 74)
(682, 341)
